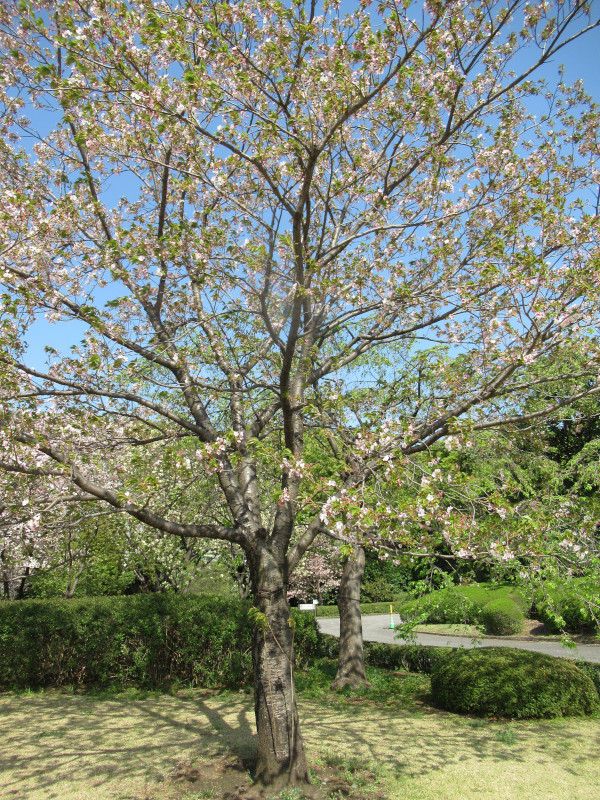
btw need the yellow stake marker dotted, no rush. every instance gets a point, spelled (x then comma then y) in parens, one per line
(392, 626)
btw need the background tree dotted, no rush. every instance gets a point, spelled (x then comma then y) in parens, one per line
(318, 575)
(243, 204)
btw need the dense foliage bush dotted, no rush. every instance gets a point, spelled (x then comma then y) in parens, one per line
(412, 658)
(462, 604)
(143, 641)
(505, 682)
(569, 608)
(502, 617)
(385, 581)
(592, 671)
(445, 606)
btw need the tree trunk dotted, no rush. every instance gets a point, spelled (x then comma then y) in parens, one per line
(5, 575)
(351, 660)
(21, 590)
(73, 581)
(280, 749)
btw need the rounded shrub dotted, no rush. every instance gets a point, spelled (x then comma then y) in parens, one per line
(505, 682)
(449, 607)
(565, 609)
(502, 618)
(455, 609)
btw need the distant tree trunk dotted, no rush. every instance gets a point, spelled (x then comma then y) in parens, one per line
(351, 660)
(5, 576)
(241, 576)
(73, 581)
(21, 590)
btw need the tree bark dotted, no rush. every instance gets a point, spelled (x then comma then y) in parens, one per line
(5, 576)
(281, 760)
(351, 659)
(21, 590)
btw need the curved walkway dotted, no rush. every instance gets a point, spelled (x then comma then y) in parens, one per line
(376, 629)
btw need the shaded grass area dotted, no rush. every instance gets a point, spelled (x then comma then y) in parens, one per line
(384, 742)
(396, 690)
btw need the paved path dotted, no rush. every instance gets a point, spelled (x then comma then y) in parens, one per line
(376, 629)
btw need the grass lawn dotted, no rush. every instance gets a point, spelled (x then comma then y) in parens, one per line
(384, 743)
(449, 629)
(365, 608)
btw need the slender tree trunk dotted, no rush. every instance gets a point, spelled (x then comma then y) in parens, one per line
(73, 581)
(242, 576)
(351, 660)
(21, 590)
(5, 575)
(280, 749)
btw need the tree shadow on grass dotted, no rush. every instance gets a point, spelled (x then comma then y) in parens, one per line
(60, 746)
(412, 745)
(81, 747)
(238, 739)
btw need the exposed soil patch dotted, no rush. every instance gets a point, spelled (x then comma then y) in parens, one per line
(218, 777)
(229, 779)
(533, 627)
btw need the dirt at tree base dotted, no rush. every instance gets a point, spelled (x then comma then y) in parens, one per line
(229, 779)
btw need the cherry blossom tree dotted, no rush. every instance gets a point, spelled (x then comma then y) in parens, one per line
(63, 536)
(318, 574)
(248, 207)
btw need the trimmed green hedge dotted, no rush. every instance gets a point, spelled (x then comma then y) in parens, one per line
(365, 608)
(145, 641)
(462, 604)
(506, 682)
(502, 618)
(412, 658)
(568, 608)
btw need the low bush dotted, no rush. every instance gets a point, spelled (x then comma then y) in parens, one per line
(502, 618)
(143, 641)
(412, 658)
(505, 682)
(569, 608)
(462, 604)
(448, 606)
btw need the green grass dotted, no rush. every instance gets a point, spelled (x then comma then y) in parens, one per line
(365, 608)
(392, 689)
(449, 629)
(482, 594)
(382, 743)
